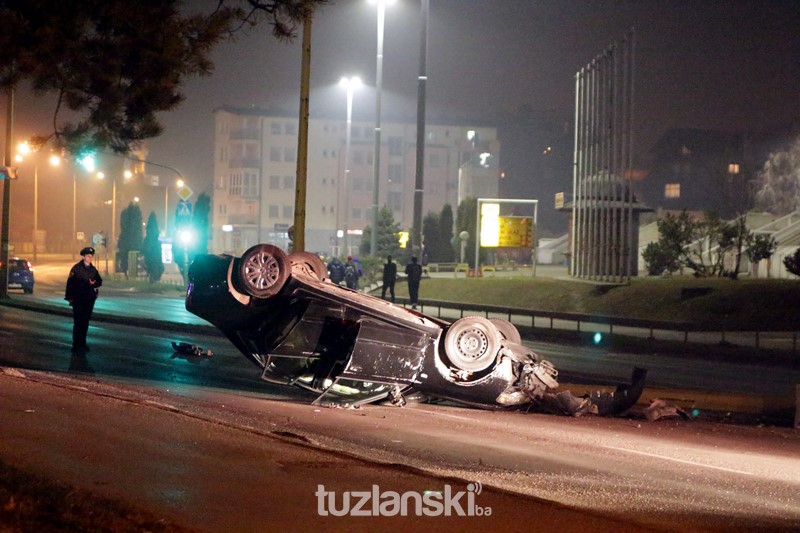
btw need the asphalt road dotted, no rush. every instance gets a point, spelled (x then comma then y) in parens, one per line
(202, 441)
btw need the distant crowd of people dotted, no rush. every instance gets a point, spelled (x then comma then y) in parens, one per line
(350, 272)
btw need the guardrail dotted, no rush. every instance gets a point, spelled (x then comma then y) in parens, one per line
(579, 322)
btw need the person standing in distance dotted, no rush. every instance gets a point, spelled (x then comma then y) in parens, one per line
(414, 273)
(81, 293)
(389, 277)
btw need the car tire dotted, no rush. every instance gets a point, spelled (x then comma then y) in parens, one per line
(471, 343)
(263, 270)
(309, 263)
(507, 330)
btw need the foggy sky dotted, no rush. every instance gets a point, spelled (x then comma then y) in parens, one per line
(728, 65)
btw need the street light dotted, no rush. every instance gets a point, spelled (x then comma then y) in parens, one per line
(350, 84)
(23, 150)
(373, 240)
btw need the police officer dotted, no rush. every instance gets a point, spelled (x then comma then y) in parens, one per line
(82, 285)
(389, 277)
(414, 273)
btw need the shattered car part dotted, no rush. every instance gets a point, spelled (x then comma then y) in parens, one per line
(351, 348)
(185, 348)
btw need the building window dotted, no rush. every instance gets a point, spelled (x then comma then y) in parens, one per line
(288, 211)
(435, 161)
(274, 182)
(395, 146)
(358, 157)
(395, 200)
(396, 173)
(289, 154)
(288, 182)
(274, 154)
(235, 185)
(275, 128)
(290, 128)
(273, 211)
(358, 184)
(250, 185)
(672, 190)
(356, 213)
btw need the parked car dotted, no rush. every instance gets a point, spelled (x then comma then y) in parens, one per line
(20, 275)
(351, 348)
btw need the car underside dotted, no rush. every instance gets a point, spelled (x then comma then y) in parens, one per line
(351, 348)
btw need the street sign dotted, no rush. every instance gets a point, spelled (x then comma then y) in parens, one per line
(516, 232)
(185, 192)
(184, 209)
(80, 236)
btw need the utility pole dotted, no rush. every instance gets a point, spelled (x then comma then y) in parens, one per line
(6, 196)
(416, 232)
(299, 236)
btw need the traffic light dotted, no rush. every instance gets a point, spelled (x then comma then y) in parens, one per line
(88, 161)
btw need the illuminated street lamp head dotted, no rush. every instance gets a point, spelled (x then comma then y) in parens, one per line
(353, 82)
(179, 184)
(128, 174)
(100, 175)
(55, 160)
(24, 148)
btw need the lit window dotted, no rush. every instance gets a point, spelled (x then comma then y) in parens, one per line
(672, 190)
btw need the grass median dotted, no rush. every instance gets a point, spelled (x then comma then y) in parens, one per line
(719, 303)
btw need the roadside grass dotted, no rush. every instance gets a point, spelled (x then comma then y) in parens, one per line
(32, 503)
(744, 304)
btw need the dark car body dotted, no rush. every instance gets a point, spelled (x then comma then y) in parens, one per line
(20, 275)
(300, 329)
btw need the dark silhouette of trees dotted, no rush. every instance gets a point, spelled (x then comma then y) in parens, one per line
(201, 223)
(112, 65)
(151, 250)
(130, 235)
(387, 240)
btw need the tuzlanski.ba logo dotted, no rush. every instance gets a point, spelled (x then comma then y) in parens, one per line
(376, 502)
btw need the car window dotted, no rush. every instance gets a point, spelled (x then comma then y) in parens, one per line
(20, 263)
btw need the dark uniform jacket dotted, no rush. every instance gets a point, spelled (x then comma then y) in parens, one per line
(79, 290)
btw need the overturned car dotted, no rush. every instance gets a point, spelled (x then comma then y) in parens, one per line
(300, 329)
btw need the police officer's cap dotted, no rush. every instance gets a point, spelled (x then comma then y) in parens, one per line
(87, 250)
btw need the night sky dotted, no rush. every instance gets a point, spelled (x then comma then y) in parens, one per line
(727, 65)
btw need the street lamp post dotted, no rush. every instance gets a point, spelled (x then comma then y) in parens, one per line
(373, 241)
(350, 84)
(22, 150)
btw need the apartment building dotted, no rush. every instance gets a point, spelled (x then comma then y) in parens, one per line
(255, 168)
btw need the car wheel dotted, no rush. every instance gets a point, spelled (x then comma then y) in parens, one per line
(507, 330)
(310, 264)
(263, 270)
(471, 343)
(28, 291)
